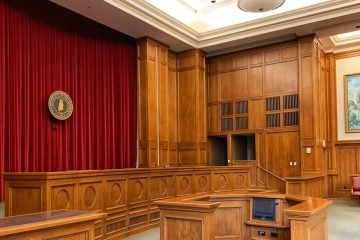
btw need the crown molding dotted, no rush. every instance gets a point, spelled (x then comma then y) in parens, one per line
(280, 22)
(155, 17)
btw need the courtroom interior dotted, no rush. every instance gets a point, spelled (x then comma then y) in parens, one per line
(179, 119)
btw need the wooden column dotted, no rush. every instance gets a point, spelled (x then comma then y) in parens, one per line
(184, 222)
(191, 108)
(156, 104)
(313, 92)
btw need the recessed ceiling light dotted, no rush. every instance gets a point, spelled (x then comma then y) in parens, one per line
(259, 5)
(349, 34)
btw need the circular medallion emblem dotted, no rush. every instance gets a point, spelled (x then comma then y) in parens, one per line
(60, 105)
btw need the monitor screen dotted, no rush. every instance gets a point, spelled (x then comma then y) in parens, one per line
(264, 209)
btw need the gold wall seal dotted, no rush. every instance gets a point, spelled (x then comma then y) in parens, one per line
(60, 105)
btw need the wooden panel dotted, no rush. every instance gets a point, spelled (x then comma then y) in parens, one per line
(172, 109)
(229, 223)
(256, 58)
(240, 180)
(273, 55)
(63, 197)
(226, 86)
(163, 100)
(116, 191)
(306, 48)
(91, 195)
(222, 182)
(192, 109)
(152, 101)
(241, 61)
(191, 229)
(187, 157)
(256, 114)
(281, 149)
(294, 188)
(186, 60)
(255, 86)
(239, 84)
(213, 118)
(185, 185)
(138, 191)
(289, 52)
(314, 228)
(153, 98)
(306, 117)
(187, 108)
(347, 163)
(225, 64)
(202, 183)
(213, 88)
(16, 196)
(281, 78)
(162, 186)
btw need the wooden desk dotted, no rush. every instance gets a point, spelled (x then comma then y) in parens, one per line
(64, 225)
(226, 215)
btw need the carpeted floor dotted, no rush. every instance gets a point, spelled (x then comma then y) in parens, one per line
(344, 219)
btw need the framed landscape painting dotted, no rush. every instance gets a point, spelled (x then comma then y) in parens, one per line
(352, 102)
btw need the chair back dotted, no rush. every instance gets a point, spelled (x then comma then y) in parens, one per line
(356, 183)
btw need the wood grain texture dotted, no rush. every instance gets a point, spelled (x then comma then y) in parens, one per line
(66, 225)
(126, 196)
(192, 109)
(228, 215)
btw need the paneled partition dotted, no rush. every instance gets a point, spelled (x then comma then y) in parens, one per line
(126, 196)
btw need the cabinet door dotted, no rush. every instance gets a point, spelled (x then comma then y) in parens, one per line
(282, 153)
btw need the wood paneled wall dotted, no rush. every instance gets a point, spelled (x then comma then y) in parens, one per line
(313, 114)
(192, 147)
(171, 106)
(268, 104)
(157, 104)
(343, 157)
(279, 95)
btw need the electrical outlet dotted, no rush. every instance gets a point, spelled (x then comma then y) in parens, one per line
(295, 163)
(291, 163)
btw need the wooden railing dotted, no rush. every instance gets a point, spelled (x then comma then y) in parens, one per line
(127, 196)
(267, 179)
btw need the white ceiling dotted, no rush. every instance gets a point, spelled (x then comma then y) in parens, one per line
(213, 30)
(203, 15)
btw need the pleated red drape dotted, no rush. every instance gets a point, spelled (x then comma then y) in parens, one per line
(44, 48)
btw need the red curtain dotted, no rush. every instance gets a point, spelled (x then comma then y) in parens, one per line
(44, 48)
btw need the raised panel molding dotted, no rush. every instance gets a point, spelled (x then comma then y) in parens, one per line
(126, 196)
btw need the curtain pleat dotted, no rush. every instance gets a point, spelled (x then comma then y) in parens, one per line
(44, 48)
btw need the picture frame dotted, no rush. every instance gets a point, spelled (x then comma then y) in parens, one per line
(352, 102)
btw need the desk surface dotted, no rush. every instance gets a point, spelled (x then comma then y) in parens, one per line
(305, 206)
(35, 221)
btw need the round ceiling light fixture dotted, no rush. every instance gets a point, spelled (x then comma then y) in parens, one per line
(259, 5)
